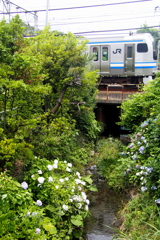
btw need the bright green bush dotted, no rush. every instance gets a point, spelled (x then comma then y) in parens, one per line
(141, 219)
(108, 155)
(50, 204)
(139, 165)
(20, 217)
(140, 160)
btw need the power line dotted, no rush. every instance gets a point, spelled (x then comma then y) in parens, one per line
(109, 20)
(81, 7)
(102, 16)
(116, 30)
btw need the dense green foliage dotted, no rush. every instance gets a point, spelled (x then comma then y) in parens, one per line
(47, 130)
(137, 168)
(50, 204)
(146, 29)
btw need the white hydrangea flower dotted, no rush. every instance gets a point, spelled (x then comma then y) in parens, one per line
(67, 178)
(69, 164)
(55, 165)
(68, 169)
(39, 203)
(56, 161)
(84, 196)
(24, 185)
(143, 189)
(65, 207)
(87, 201)
(77, 198)
(38, 230)
(83, 183)
(57, 186)
(40, 172)
(78, 181)
(50, 167)
(50, 179)
(41, 179)
(79, 205)
(78, 174)
(86, 207)
(61, 180)
(28, 213)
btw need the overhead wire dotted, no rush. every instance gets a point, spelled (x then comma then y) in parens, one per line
(115, 30)
(90, 22)
(89, 6)
(104, 20)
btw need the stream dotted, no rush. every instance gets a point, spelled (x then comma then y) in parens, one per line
(104, 205)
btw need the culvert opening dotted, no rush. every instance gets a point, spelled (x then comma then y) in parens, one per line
(109, 115)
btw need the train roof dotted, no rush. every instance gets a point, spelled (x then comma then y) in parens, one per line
(111, 39)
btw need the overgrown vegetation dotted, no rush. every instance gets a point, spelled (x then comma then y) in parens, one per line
(47, 130)
(138, 167)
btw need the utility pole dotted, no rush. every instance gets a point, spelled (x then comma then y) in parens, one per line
(47, 6)
(35, 21)
(9, 8)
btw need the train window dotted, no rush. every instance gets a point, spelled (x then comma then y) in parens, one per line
(95, 54)
(129, 52)
(142, 47)
(155, 51)
(104, 53)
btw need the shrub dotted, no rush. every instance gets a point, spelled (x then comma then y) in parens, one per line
(51, 202)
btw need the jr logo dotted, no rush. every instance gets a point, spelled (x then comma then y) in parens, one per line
(118, 50)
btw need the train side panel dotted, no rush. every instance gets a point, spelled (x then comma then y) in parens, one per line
(129, 56)
(117, 58)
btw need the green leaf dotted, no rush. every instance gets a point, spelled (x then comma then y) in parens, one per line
(49, 227)
(93, 189)
(77, 233)
(88, 179)
(77, 220)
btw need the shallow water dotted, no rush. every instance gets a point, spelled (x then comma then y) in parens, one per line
(104, 205)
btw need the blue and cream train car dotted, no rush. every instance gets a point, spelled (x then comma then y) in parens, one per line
(132, 55)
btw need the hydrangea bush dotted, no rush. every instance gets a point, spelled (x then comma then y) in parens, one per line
(20, 217)
(51, 202)
(138, 164)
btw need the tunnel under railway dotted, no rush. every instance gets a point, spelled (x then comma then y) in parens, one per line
(109, 114)
(108, 111)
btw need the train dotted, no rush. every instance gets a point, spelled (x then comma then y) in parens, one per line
(124, 59)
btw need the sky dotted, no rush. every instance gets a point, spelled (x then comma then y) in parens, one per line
(121, 14)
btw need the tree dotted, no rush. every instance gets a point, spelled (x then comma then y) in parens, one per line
(141, 106)
(146, 29)
(66, 68)
(42, 80)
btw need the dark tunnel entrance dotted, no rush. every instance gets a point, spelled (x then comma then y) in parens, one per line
(109, 115)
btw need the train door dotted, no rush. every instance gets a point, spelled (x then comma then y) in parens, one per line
(129, 58)
(105, 65)
(100, 58)
(95, 52)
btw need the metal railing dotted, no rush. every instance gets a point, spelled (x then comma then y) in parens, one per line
(116, 93)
